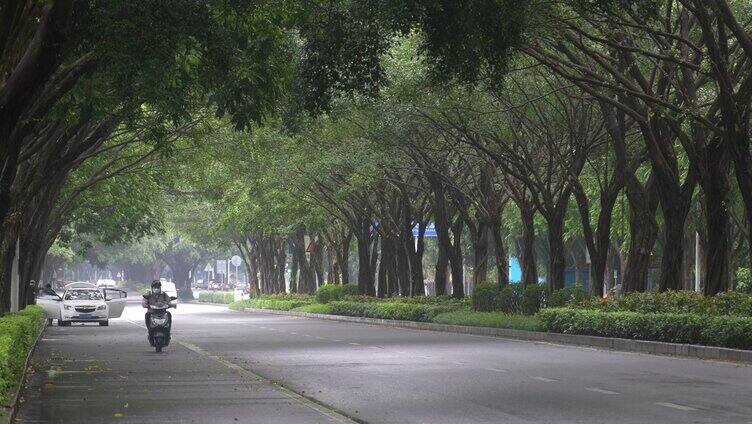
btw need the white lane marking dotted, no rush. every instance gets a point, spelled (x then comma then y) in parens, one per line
(547, 380)
(426, 357)
(603, 391)
(375, 347)
(292, 332)
(320, 338)
(50, 340)
(459, 363)
(354, 344)
(676, 406)
(496, 370)
(337, 340)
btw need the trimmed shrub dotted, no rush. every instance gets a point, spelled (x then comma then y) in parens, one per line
(674, 302)
(533, 297)
(743, 280)
(573, 295)
(282, 302)
(723, 331)
(17, 334)
(510, 299)
(389, 310)
(216, 297)
(489, 319)
(361, 298)
(485, 297)
(315, 308)
(430, 300)
(330, 292)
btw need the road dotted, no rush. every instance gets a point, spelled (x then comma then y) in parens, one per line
(221, 365)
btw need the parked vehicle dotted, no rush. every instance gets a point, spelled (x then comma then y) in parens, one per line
(171, 291)
(83, 302)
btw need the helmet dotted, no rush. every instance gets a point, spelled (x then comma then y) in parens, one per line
(156, 283)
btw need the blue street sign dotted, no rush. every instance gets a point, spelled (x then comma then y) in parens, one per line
(430, 231)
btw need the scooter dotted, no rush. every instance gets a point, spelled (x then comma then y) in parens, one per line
(160, 322)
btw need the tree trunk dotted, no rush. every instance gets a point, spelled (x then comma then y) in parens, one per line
(442, 224)
(528, 262)
(480, 252)
(416, 268)
(365, 273)
(674, 219)
(643, 231)
(502, 261)
(456, 262)
(715, 192)
(343, 256)
(382, 289)
(294, 268)
(556, 255)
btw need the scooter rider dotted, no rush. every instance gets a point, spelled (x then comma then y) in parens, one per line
(155, 296)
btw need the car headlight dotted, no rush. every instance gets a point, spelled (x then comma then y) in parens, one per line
(68, 307)
(102, 307)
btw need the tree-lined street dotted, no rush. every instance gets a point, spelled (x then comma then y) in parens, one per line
(578, 169)
(370, 373)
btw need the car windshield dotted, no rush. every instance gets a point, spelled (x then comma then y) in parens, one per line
(83, 295)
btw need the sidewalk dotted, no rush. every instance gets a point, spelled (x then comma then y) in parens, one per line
(110, 374)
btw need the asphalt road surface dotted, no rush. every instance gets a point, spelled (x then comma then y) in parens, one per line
(226, 366)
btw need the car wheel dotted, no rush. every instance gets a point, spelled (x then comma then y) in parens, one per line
(49, 321)
(104, 323)
(60, 323)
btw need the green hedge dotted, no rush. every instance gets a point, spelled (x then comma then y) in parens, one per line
(389, 310)
(331, 292)
(216, 297)
(17, 334)
(489, 319)
(282, 302)
(743, 280)
(572, 295)
(724, 331)
(315, 308)
(514, 299)
(674, 302)
(484, 298)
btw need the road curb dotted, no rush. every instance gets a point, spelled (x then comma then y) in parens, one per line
(10, 411)
(626, 345)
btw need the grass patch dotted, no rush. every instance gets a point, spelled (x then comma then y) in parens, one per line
(398, 310)
(281, 302)
(490, 319)
(315, 308)
(216, 297)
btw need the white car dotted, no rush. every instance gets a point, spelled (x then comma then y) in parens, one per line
(105, 282)
(83, 302)
(171, 291)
